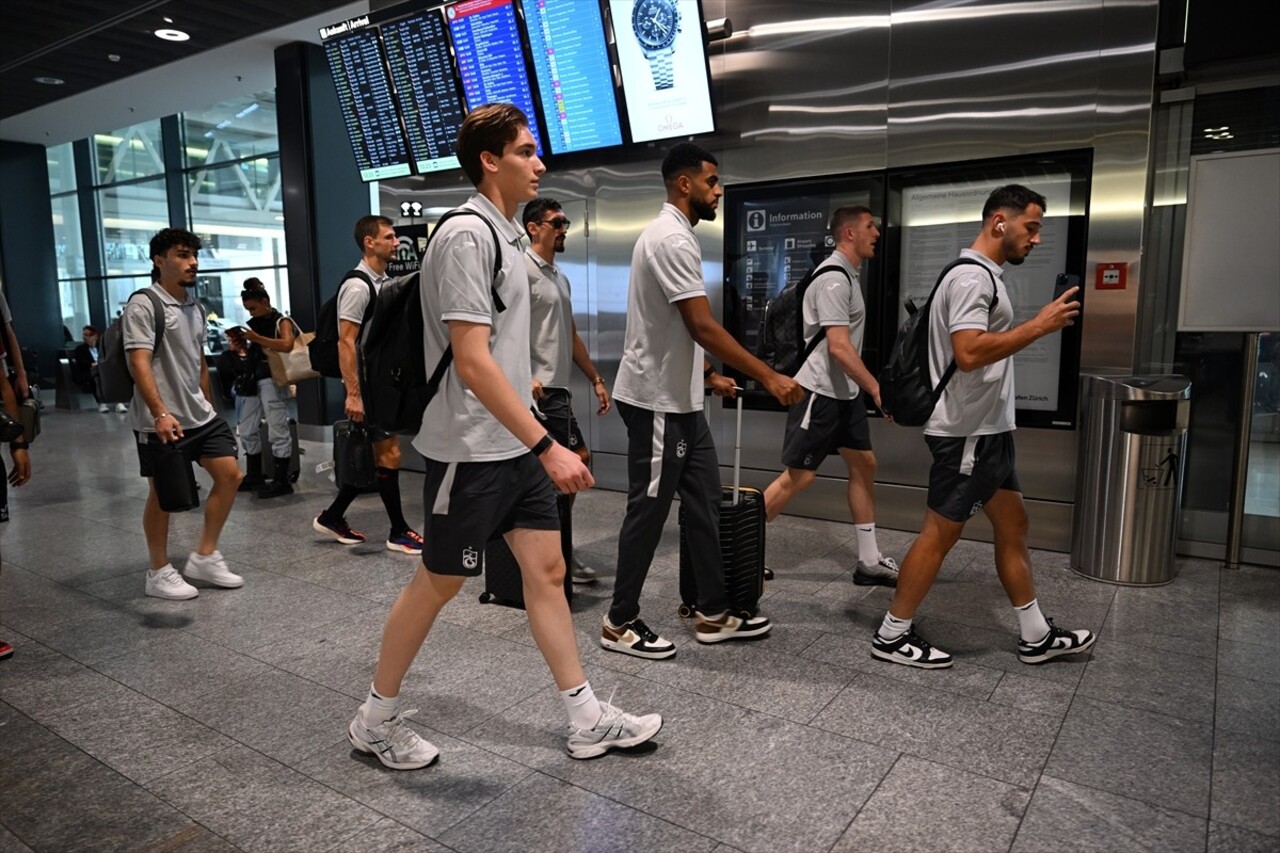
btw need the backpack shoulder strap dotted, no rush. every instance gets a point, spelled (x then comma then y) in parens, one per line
(373, 291)
(924, 351)
(157, 307)
(801, 287)
(497, 249)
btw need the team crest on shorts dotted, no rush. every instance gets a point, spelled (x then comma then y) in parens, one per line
(573, 440)
(973, 510)
(808, 459)
(470, 558)
(681, 449)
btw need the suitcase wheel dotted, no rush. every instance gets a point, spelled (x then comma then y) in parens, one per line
(684, 611)
(293, 476)
(486, 597)
(768, 573)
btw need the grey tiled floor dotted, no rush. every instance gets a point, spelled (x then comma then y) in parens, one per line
(128, 723)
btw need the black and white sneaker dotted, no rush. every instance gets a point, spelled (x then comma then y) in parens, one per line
(635, 638)
(909, 650)
(1056, 643)
(883, 572)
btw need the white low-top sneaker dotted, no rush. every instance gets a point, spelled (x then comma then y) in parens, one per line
(212, 569)
(395, 744)
(167, 583)
(616, 729)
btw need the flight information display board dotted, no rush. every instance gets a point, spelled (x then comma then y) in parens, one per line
(368, 105)
(486, 41)
(575, 82)
(418, 54)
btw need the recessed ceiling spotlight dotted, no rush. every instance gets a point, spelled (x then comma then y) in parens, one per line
(113, 57)
(168, 20)
(50, 81)
(172, 35)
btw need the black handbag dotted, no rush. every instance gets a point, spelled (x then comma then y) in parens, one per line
(174, 478)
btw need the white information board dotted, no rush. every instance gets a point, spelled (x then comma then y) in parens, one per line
(1231, 249)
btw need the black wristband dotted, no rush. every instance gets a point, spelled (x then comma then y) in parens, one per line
(543, 445)
(706, 374)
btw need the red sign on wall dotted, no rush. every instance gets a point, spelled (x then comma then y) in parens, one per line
(1112, 276)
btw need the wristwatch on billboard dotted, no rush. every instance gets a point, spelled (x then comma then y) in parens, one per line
(656, 23)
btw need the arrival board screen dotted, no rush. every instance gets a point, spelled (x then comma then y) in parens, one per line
(368, 106)
(575, 82)
(418, 54)
(487, 44)
(664, 67)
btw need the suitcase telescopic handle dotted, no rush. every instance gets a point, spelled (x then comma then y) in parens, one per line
(737, 449)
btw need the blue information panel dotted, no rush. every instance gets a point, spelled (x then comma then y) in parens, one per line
(575, 82)
(487, 44)
(368, 106)
(418, 54)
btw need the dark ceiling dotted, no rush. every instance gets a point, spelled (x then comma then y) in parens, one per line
(74, 40)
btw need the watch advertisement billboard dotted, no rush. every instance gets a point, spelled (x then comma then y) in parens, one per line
(662, 57)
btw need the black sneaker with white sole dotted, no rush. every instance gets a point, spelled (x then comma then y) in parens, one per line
(909, 650)
(1056, 643)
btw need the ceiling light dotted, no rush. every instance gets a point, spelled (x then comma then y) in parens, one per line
(172, 35)
(50, 81)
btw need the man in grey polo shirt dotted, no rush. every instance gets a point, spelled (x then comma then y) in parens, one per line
(659, 396)
(172, 408)
(554, 341)
(492, 469)
(970, 435)
(377, 241)
(832, 417)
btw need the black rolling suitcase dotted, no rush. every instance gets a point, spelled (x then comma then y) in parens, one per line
(502, 582)
(742, 523)
(295, 454)
(353, 457)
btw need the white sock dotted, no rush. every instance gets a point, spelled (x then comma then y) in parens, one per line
(868, 550)
(583, 706)
(377, 709)
(155, 572)
(1031, 622)
(892, 627)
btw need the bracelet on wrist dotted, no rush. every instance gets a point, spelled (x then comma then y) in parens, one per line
(599, 380)
(706, 374)
(163, 415)
(543, 445)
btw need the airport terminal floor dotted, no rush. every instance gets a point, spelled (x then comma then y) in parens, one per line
(218, 724)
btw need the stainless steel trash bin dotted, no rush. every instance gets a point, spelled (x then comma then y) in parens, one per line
(1133, 440)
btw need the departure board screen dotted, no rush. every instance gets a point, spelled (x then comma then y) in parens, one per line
(575, 82)
(368, 105)
(423, 75)
(490, 60)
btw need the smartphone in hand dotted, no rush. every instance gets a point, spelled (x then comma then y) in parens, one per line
(1065, 282)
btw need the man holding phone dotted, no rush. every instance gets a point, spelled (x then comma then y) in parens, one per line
(970, 435)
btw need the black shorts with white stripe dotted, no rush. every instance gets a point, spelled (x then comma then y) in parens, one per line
(967, 471)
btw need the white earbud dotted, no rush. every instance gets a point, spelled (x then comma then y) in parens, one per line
(999, 227)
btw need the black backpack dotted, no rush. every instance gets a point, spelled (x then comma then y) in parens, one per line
(394, 384)
(782, 328)
(905, 392)
(111, 374)
(323, 349)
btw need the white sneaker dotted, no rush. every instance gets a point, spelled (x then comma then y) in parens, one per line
(167, 583)
(103, 408)
(616, 729)
(395, 745)
(579, 573)
(121, 408)
(213, 569)
(883, 572)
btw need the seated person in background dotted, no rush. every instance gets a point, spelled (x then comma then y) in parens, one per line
(83, 361)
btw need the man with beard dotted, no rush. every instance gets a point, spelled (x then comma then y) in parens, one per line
(377, 241)
(831, 418)
(970, 435)
(173, 405)
(659, 396)
(554, 341)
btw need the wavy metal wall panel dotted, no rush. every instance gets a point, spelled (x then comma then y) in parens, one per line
(832, 86)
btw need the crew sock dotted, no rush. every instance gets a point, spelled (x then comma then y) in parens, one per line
(1031, 622)
(892, 627)
(583, 706)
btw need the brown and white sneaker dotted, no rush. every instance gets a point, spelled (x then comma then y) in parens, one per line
(731, 626)
(635, 638)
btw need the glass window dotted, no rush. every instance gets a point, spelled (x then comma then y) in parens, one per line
(119, 289)
(233, 130)
(129, 153)
(219, 290)
(131, 215)
(68, 243)
(62, 168)
(74, 295)
(238, 212)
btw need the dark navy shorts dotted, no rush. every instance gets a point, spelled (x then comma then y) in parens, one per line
(213, 439)
(818, 426)
(966, 472)
(555, 412)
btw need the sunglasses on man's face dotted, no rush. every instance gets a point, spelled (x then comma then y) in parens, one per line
(557, 223)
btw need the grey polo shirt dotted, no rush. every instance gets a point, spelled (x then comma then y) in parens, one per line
(178, 363)
(456, 277)
(661, 367)
(551, 316)
(976, 402)
(832, 300)
(353, 294)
